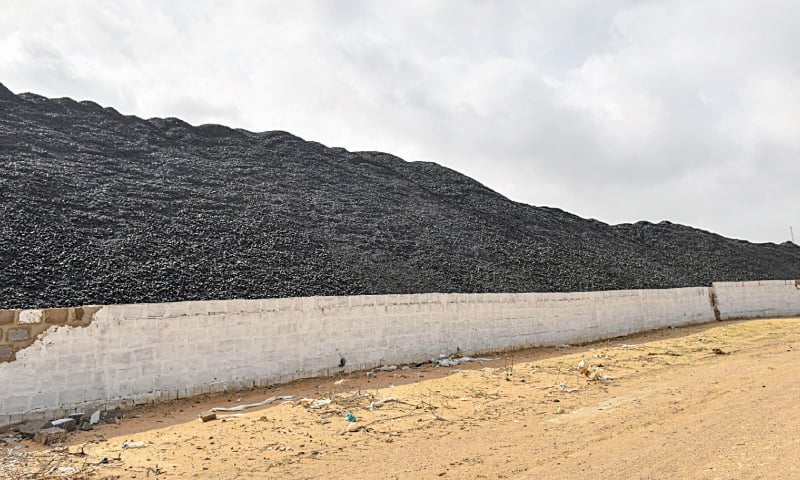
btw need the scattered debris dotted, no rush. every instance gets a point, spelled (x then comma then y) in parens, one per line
(350, 417)
(324, 420)
(95, 418)
(314, 403)
(11, 439)
(719, 351)
(354, 427)
(387, 368)
(452, 362)
(240, 408)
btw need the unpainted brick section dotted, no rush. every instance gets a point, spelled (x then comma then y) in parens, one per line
(58, 316)
(82, 316)
(20, 328)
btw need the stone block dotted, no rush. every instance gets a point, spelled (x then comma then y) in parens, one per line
(7, 316)
(18, 334)
(30, 316)
(51, 436)
(6, 353)
(29, 427)
(67, 424)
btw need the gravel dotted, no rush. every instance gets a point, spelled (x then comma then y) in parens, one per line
(99, 208)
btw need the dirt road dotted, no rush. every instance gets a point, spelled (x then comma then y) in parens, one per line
(717, 401)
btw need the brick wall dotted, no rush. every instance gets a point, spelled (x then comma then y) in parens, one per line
(127, 354)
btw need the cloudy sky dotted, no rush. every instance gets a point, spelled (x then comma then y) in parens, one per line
(617, 110)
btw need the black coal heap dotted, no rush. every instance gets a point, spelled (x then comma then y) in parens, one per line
(98, 207)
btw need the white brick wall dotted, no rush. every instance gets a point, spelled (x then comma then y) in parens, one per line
(768, 298)
(137, 353)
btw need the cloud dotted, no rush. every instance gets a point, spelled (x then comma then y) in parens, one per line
(617, 110)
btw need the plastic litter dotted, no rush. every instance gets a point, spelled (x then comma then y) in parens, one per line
(240, 408)
(387, 368)
(452, 362)
(314, 402)
(134, 444)
(350, 417)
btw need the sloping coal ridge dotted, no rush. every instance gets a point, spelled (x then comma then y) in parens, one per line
(100, 208)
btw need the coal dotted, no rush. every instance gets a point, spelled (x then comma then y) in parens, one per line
(97, 207)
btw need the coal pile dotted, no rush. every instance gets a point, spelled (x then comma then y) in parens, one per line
(97, 207)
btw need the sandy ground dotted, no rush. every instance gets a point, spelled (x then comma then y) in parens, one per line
(718, 401)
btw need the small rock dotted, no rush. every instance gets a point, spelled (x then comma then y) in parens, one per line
(207, 416)
(354, 427)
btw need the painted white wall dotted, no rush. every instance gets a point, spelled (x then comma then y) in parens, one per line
(768, 298)
(138, 353)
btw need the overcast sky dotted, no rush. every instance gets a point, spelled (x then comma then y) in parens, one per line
(687, 111)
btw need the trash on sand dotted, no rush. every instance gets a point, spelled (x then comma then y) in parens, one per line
(565, 388)
(350, 417)
(314, 402)
(387, 368)
(95, 418)
(452, 362)
(232, 417)
(606, 378)
(719, 351)
(134, 444)
(240, 408)
(324, 420)
(381, 402)
(370, 374)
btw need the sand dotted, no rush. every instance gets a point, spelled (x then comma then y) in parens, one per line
(716, 401)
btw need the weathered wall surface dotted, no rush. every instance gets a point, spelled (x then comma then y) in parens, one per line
(122, 354)
(769, 298)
